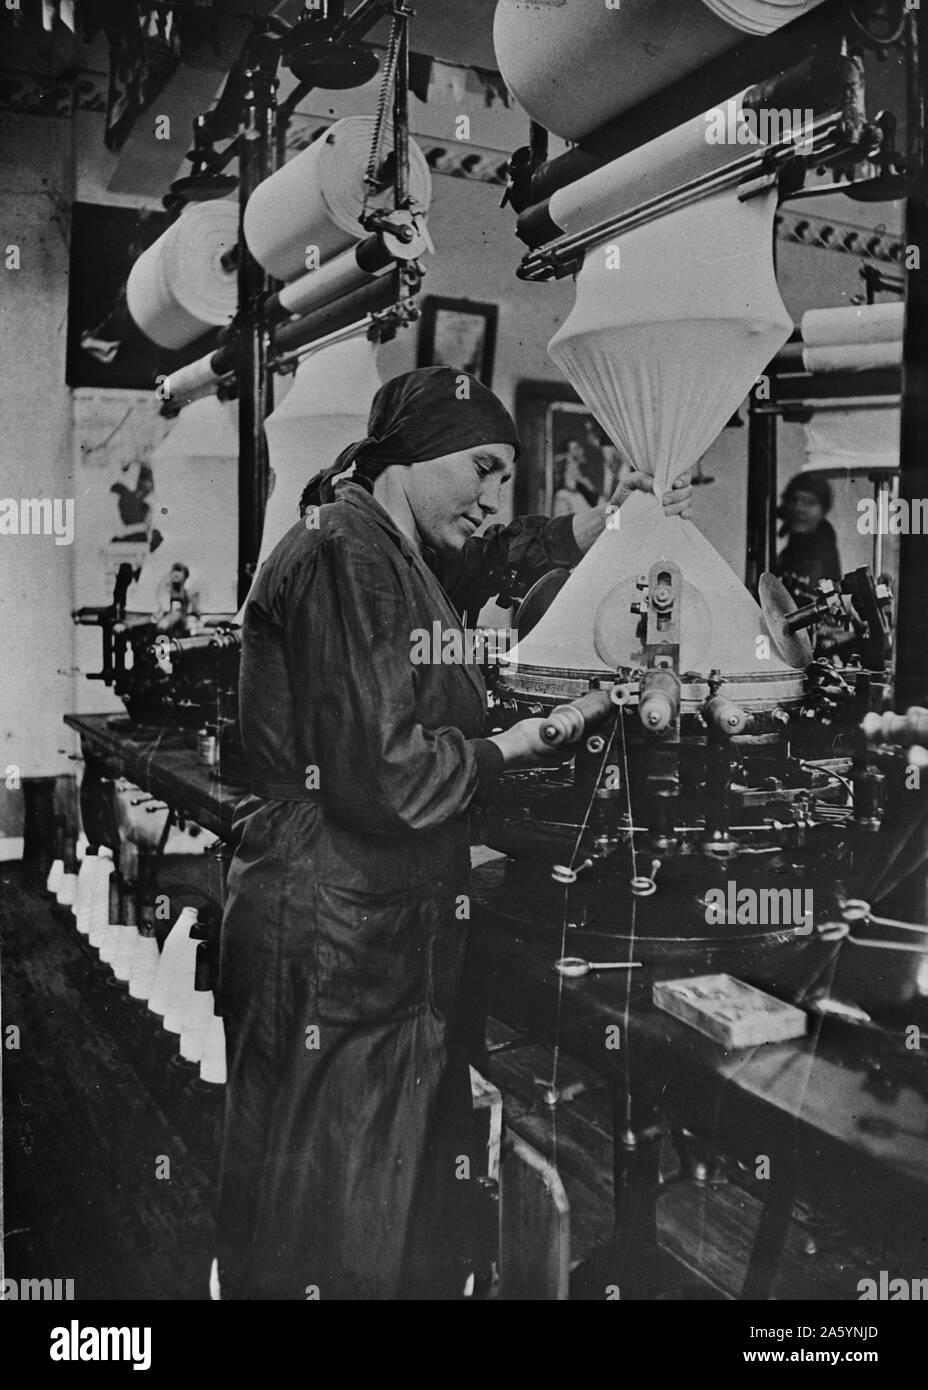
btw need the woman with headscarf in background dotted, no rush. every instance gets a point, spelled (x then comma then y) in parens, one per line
(348, 1105)
(811, 552)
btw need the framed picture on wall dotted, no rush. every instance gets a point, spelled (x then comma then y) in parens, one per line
(568, 463)
(458, 333)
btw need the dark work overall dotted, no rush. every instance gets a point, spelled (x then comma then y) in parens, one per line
(348, 1098)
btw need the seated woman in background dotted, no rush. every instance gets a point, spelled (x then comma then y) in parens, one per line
(811, 552)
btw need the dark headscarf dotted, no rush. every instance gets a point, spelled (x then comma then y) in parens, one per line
(419, 415)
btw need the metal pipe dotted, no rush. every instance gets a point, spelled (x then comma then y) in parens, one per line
(567, 252)
(254, 380)
(762, 489)
(911, 673)
(317, 288)
(369, 299)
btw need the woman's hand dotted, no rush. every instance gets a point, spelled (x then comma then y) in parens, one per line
(523, 745)
(678, 500)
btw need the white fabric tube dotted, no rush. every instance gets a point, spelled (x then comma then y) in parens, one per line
(854, 323)
(325, 410)
(332, 280)
(575, 64)
(675, 158)
(853, 357)
(852, 441)
(316, 199)
(192, 382)
(178, 288)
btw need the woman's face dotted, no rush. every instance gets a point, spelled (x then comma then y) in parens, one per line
(451, 497)
(804, 513)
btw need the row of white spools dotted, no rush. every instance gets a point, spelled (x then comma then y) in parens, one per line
(186, 283)
(165, 979)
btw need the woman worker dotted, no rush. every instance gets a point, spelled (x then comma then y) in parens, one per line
(348, 1104)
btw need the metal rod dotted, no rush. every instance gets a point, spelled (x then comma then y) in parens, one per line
(561, 255)
(762, 491)
(254, 379)
(372, 298)
(816, 407)
(911, 677)
(401, 111)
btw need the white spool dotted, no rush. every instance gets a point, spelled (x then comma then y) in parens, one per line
(178, 288)
(177, 947)
(143, 967)
(54, 876)
(317, 197)
(83, 890)
(98, 915)
(196, 1025)
(67, 889)
(575, 64)
(213, 1055)
(123, 952)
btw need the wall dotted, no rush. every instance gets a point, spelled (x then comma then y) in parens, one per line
(36, 575)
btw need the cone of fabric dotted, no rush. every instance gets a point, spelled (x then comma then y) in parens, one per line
(672, 325)
(325, 410)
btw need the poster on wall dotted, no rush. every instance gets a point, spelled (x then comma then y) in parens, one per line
(115, 436)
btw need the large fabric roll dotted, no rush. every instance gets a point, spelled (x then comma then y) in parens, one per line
(317, 198)
(575, 64)
(675, 158)
(178, 288)
(853, 338)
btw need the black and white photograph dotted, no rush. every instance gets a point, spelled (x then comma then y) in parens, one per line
(464, 709)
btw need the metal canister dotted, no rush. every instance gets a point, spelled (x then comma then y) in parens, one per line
(208, 745)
